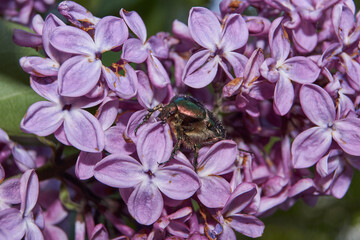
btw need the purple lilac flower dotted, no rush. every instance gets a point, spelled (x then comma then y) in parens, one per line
(21, 11)
(335, 172)
(139, 50)
(309, 146)
(249, 88)
(147, 178)
(216, 161)
(64, 117)
(30, 39)
(299, 67)
(45, 67)
(282, 71)
(79, 74)
(77, 14)
(26, 221)
(9, 193)
(231, 218)
(23, 158)
(219, 43)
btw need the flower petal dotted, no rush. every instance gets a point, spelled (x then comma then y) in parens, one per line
(134, 121)
(77, 14)
(148, 96)
(202, 76)
(248, 225)
(240, 198)
(46, 87)
(124, 86)
(352, 68)
(29, 191)
(237, 62)
(177, 181)
(146, 203)
(84, 131)
(134, 51)
(304, 37)
(218, 158)
(152, 154)
(119, 170)
(99, 233)
(78, 76)
(27, 39)
(317, 104)
(252, 67)
(214, 191)
(60, 136)
(23, 159)
(108, 111)
(84, 168)
(40, 67)
(10, 191)
(309, 146)
(72, 40)
(115, 142)
(268, 203)
(42, 118)
(279, 40)
(347, 135)
(235, 33)
(227, 233)
(55, 213)
(52, 232)
(12, 224)
(52, 22)
(204, 27)
(342, 183)
(301, 69)
(269, 71)
(283, 95)
(343, 22)
(135, 23)
(305, 185)
(157, 73)
(33, 232)
(110, 32)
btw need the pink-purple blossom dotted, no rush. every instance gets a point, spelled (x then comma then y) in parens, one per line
(113, 159)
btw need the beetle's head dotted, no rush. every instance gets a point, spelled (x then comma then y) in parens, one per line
(167, 111)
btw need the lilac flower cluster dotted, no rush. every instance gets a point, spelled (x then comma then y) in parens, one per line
(285, 90)
(22, 11)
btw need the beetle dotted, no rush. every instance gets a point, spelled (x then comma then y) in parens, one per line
(193, 125)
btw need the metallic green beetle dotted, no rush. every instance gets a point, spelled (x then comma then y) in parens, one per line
(191, 123)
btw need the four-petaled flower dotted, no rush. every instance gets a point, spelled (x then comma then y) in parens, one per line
(220, 43)
(311, 145)
(147, 177)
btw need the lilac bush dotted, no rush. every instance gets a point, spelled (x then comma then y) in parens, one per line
(286, 77)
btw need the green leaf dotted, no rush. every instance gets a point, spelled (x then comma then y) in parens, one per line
(15, 98)
(10, 53)
(66, 200)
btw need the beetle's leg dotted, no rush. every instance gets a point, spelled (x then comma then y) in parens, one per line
(173, 152)
(196, 155)
(147, 116)
(179, 141)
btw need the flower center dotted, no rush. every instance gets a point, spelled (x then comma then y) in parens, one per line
(150, 174)
(66, 107)
(218, 51)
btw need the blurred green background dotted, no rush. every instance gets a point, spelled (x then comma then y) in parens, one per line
(330, 219)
